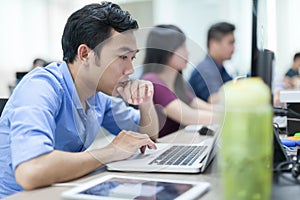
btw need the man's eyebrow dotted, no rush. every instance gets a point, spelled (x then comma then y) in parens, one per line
(127, 49)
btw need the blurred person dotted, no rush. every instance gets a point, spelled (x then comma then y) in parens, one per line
(39, 62)
(210, 74)
(289, 81)
(166, 56)
(294, 70)
(55, 112)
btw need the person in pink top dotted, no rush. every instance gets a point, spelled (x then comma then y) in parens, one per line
(176, 105)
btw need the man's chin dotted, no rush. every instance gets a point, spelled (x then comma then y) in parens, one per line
(109, 93)
(114, 93)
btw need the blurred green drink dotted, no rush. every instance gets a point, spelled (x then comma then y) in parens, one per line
(247, 150)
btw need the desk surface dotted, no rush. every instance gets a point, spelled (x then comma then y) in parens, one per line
(289, 96)
(211, 175)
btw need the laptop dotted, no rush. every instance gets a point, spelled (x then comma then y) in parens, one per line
(169, 157)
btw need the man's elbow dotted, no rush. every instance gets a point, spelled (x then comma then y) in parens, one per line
(28, 177)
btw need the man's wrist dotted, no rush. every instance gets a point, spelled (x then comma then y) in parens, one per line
(146, 105)
(103, 155)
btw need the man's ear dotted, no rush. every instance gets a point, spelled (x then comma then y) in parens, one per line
(213, 43)
(82, 52)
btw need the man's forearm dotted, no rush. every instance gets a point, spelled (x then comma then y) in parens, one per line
(214, 98)
(149, 121)
(58, 166)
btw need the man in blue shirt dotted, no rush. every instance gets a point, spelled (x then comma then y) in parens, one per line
(55, 112)
(210, 74)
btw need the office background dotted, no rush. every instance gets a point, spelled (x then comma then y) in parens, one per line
(33, 28)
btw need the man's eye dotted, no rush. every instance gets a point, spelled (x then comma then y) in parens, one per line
(123, 57)
(133, 58)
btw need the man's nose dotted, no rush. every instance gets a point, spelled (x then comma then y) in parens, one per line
(129, 68)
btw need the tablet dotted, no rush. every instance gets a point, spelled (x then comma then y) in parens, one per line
(126, 187)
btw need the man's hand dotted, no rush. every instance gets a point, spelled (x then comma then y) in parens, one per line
(140, 92)
(126, 143)
(137, 92)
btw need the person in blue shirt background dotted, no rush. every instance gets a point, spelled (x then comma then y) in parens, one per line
(55, 112)
(210, 74)
(294, 70)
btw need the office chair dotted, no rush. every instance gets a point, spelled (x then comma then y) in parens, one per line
(2, 104)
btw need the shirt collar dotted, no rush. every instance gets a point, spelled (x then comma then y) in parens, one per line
(220, 67)
(70, 85)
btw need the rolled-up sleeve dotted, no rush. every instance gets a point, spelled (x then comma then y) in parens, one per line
(118, 116)
(32, 122)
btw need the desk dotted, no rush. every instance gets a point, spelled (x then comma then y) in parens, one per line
(211, 175)
(53, 192)
(291, 98)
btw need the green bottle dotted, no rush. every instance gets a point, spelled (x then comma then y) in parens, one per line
(246, 142)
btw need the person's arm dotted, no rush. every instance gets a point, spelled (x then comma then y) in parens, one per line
(200, 104)
(186, 115)
(214, 98)
(58, 166)
(198, 84)
(288, 82)
(149, 120)
(140, 92)
(35, 161)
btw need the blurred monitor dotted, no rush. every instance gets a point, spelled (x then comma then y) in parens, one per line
(20, 75)
(262, 59)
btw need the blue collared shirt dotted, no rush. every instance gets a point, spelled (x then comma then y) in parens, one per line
(44, 113)
(207, 78)
(291, 73)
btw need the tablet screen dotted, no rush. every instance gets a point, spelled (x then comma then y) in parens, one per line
(138, 189)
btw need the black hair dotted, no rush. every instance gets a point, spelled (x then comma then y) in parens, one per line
(297, 55)
(91, 25)
(162, 42)
(219, 30)
(39, 61)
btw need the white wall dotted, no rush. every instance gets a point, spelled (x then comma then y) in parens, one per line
(29, 29)
(23, 34)
(195, 17)
(288, 33)
(33, 28)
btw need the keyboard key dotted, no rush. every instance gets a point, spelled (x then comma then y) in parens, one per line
(179, 155)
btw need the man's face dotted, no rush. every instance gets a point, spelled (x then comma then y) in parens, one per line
(115, 64)
(225, 46)
(297, 63)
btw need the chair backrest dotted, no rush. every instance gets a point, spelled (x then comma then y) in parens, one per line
(2, 104)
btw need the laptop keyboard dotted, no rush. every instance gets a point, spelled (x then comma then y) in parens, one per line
(179, 155)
